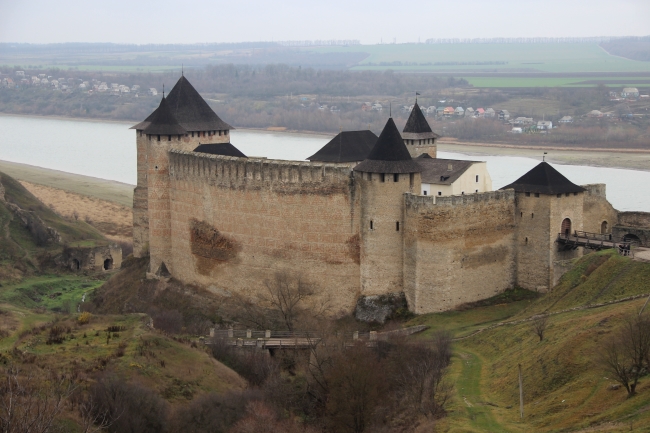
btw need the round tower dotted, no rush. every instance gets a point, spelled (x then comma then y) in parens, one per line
(383, 178)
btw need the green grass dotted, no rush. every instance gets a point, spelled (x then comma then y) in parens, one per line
(55, 293)
(506, 82)
(542, 57)
(565, 388)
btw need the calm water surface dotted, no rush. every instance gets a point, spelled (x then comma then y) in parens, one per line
(107, 151)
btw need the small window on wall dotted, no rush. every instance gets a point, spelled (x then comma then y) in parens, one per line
(192, 133)
(527, 194)
(532, 215)
(225, 132)
(169, 138)
(383, 177)
(536, 194)
(159, 138)
(395, 177)
(369, 176)
(559, 195)
(411, 179)
(397, 226)
(477, 178)
(371, 225)
(439, 192)
(425, 193)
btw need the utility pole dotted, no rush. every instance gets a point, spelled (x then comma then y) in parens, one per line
(521, 394)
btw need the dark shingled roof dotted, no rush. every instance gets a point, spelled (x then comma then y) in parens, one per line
(389, 155)
(190, 109)
(417, 127)
(417, 122)
(226, 149)
(436, 171)
(544, 179)
(347, 146)
(163, 122)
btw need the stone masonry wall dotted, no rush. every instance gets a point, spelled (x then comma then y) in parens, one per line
(235, 222)
(458, 249)
(597, 210)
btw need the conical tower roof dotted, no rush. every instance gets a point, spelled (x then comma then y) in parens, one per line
(191, 110)
(163, 122)
(389, 155)
(417, 126)
(225, 149)
(544, 179)
(417, 123)
(347, 146)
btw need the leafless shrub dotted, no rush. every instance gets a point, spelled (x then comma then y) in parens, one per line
(28, 404)
(253, 365)
(126, 407)
(626, 354)
(168, 321)
(539, 325)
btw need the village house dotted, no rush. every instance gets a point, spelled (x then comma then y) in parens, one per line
(504, 115)
(469, 112)
(480, 112)
(544, 125)
(630, 92)
(523, 121)
(459, 111)
(595, 114)
(448, 111)
(445, 177)
(431, 111)
(566, 119)
(490, 113)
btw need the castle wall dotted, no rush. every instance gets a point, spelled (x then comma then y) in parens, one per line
(382, 229)
(458, 249)
(140, 199)
(564, 206)
(597, 210)
(235, 222)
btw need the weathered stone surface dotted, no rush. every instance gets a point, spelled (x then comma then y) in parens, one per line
(379, 308)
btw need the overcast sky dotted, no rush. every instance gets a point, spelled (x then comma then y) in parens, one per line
(190, 21)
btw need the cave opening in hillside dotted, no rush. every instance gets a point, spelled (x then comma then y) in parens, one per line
(108, 264)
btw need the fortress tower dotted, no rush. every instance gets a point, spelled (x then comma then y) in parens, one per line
(546, 204)
(418, 136)
(382, 178)
(183, 121)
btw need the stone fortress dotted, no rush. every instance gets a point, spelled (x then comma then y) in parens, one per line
(365, 215)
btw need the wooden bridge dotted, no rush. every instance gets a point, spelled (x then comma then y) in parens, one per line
(297, 340)
(594, 241)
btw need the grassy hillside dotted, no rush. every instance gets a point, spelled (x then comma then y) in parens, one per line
(21, 253)
(565, 388)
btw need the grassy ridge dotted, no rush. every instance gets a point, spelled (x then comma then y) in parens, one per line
(565, 389)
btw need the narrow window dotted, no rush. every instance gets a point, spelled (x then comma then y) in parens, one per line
(159, 138)
(371, 225)
(536, 194)
(477, 178)
(149, 137)
(526, 241)
(383, 177)
(425, 193)
(369, 176)
(477, 190)
(179, 138)
(396, 226)
(532, 215)
(439, 192)
(411, 179)
(527, 194)
(225, 132)
(559, 195)
(395, 177)
(169, 138)
(192, 133)
(522, 214)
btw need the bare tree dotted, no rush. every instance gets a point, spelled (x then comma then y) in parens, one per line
(30, 405)
(286, 293)
(539, 325)
(626, 354)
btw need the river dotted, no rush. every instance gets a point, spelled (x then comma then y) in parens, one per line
(107, 150)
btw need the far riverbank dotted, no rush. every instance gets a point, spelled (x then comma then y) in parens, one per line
(635, 159)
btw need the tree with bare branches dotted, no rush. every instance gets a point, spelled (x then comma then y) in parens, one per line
(286, 293)
(539, 325)
(29, 404)
(626, 354)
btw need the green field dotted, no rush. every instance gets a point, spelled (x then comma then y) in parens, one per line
(543, 57)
